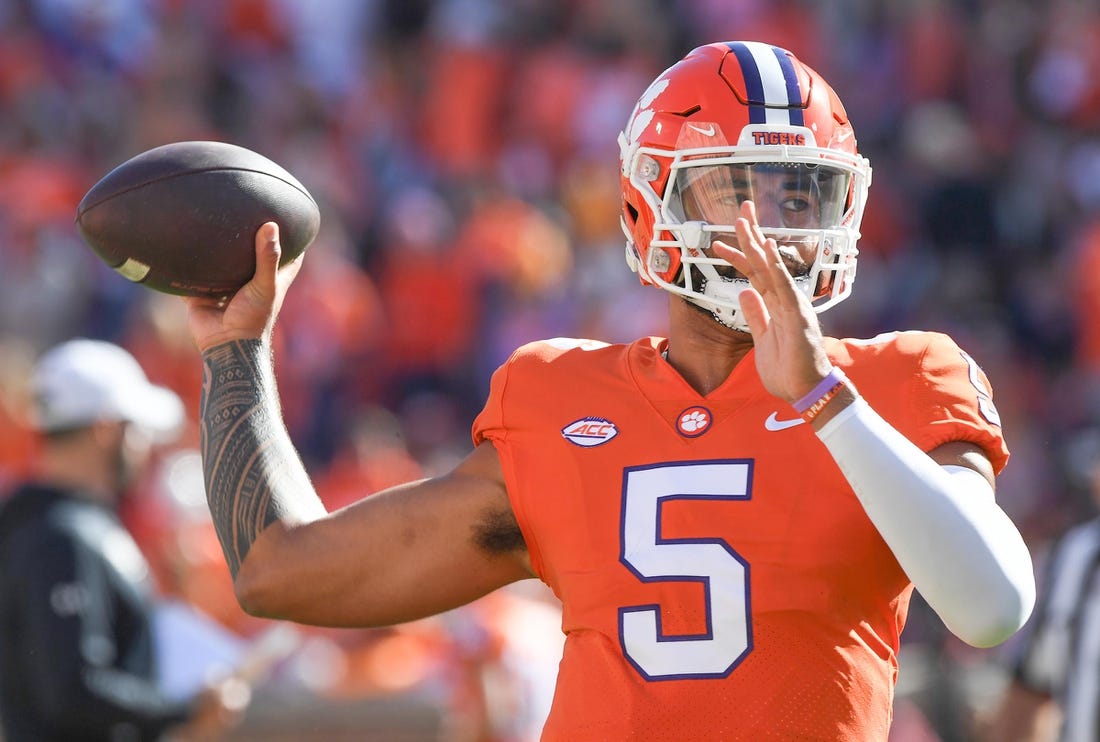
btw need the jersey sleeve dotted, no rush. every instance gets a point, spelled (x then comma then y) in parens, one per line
(524, 395)
(491, 425)
(522, 387)
(928, 388)
(959, 395)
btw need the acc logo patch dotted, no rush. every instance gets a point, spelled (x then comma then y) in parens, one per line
(590, 431)
(694, 421)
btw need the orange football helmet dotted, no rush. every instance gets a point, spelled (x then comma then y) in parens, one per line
(730, 122)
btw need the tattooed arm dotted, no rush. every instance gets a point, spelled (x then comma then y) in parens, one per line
(253, 474)
(408, 552)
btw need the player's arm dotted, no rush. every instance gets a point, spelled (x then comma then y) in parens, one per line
(938, 515)
(937, 512)
(408, 552)
(397, 555)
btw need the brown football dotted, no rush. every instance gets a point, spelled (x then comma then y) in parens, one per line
(182, 218)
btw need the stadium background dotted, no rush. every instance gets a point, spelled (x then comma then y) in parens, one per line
(463, 152)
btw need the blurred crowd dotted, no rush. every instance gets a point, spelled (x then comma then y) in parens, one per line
(463, 154)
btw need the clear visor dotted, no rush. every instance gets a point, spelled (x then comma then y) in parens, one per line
(787, 195)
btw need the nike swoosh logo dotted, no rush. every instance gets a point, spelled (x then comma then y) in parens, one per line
(707, 132)
(773, 422)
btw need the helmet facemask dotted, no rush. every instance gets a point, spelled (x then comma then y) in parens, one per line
(809, 199)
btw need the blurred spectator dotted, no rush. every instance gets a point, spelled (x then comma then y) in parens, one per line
(77, 631)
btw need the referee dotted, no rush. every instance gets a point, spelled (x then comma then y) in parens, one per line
(1054, 695)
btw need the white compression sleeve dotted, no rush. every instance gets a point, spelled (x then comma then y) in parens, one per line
(962, 552)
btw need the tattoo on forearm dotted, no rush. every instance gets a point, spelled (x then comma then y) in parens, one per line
(249, 462)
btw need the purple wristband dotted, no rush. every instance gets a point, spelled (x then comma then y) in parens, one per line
(832, 379)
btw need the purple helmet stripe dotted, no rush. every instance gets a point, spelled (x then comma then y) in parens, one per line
(754, 87)
(794, 95)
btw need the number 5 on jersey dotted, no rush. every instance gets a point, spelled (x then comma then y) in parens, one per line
(711, 562)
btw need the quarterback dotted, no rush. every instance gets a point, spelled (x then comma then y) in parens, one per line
(735, 516)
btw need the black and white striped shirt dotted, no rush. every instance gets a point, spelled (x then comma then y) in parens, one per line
(1061, 654)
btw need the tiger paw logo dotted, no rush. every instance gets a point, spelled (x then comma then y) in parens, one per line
(694, 421)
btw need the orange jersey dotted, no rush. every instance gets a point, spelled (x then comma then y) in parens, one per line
(718, 577)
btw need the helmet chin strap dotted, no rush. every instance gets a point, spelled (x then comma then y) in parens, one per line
(720, 297)
(718, 294)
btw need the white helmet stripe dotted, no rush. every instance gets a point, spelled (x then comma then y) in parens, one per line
(769, 78)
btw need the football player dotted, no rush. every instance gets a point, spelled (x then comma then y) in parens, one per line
(735, 516)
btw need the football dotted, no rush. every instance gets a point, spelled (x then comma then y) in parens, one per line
(182, 218)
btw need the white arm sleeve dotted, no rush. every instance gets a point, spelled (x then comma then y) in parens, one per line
(962, 552)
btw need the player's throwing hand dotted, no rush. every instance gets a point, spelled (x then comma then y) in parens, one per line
(251, 312)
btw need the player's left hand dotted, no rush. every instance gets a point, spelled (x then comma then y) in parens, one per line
(790, 354)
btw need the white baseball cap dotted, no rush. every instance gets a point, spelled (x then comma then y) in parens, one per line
(82, 381)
